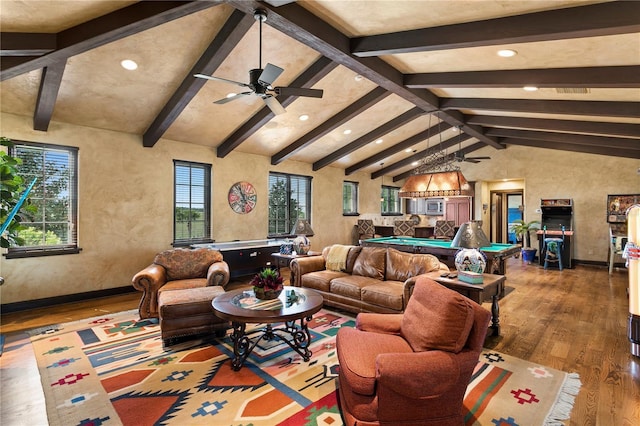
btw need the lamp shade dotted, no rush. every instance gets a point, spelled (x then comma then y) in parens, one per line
(302, 227)
(439, 184)
(470, 235)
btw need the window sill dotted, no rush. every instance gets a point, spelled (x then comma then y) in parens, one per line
(40, 252)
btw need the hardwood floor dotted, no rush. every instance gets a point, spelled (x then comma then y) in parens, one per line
(573, 320)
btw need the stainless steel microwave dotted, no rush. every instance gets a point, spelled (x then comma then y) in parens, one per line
(434, 206)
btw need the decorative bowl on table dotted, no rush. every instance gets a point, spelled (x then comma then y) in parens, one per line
(267, 284)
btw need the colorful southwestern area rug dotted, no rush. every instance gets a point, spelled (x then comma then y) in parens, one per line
(114, 370)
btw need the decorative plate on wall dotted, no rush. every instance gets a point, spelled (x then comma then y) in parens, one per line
(242, 197)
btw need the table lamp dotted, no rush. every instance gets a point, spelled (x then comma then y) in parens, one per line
(469, 238)
(302, 229)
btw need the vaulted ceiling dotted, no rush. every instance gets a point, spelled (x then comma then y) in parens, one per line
(401, 79)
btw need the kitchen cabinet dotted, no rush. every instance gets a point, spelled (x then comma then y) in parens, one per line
(458, 209)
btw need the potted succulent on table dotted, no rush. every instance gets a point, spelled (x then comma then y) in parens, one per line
(523, 230)
(267, 284)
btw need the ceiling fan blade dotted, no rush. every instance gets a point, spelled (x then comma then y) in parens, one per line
(299, 91)
(231, 98)
(210, 77)
(471, 160)
(269, 74)
(274, 105)
(479, 158)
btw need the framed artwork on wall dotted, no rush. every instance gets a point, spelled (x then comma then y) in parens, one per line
(617, 205)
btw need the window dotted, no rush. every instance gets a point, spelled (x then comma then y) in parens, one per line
(52, 229)
(289, 199)
(350, 198)
(390, 201)
(192, 213)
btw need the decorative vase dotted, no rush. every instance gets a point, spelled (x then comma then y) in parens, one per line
(470, 260)
(266, 294)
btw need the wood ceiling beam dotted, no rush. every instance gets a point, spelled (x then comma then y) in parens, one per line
(357, 107)
(400, 146)
(585, 77)
(108, 28)
(318, 70)
(602, 141)
(588, 149)
(591, 108)
(26, 44)
(301, 25)
(233, 30)
(620, 17)
(363, 140)
(573, 126)
(50, 81)
(420, 156)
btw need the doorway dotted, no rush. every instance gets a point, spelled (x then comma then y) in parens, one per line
(506, 206)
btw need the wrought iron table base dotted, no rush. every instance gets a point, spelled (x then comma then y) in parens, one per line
(297, 337)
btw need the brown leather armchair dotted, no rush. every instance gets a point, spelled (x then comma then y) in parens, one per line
(178, 269)
(411, 368)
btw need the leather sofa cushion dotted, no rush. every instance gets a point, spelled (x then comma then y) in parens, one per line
(388, 294)
(320, 280)
(401, 266)
(437, 318)
(189, 302)
(186, 263)
(351, 285)
(357, 353)
(371, 263)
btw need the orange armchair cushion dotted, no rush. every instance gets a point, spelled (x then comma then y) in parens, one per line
(436, 318)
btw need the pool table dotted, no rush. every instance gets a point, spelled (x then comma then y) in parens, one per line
(496, 253)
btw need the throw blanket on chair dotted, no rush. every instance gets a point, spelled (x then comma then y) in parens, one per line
(337, 257)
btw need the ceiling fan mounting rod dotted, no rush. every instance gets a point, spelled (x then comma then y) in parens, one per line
(260, 15)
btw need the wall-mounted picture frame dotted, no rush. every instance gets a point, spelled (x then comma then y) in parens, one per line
(617, 205)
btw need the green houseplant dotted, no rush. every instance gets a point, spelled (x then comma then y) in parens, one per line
(11, 190)
(523, 230)
(267, 284)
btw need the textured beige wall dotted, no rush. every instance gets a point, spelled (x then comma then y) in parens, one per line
(126, 196)
(125, 210)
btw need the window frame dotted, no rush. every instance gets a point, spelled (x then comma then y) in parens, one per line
(289, 220)
(71, 246)
(385, 200)
(207, 185)
(354, 199)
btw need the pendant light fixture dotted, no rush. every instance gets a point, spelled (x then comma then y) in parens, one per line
(436, 176)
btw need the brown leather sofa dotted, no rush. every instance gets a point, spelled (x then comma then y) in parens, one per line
(372, 279)
(411, 368)
(178, 269)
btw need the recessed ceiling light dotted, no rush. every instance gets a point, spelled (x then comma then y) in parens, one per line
(129, 64)
(507, 53)
(379, 141)
(530, 88)
(407, 150)
(303, 117)
(347, 132)
(358, 77)
(415, 163)
(231, 95)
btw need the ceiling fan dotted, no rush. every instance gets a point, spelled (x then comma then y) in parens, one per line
(459, 155)
(260, 80)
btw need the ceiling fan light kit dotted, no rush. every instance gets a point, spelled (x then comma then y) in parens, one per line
(261, 79)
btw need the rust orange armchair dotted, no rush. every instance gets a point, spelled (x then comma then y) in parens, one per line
(411, 368)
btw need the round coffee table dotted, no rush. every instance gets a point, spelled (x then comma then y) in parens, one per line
(241, 308)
